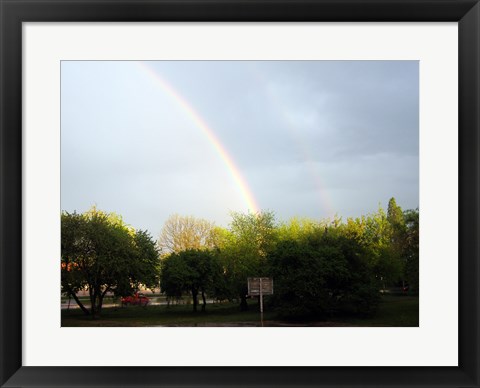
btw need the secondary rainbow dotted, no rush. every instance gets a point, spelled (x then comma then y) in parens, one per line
(233, 170)
(323, 197)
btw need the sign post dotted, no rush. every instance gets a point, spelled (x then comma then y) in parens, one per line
(260, 287)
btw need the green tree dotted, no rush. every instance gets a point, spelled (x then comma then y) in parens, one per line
(146, 270)
(102, 253)
(72, 277)
(194, 271)
(411, 249)
(298, 228)
(395, 214)
(251, 237)
(377, 239)
(253, 232)
(173, 275)
(396, 220)
(324, 274)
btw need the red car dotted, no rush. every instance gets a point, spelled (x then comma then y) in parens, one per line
(136, 299)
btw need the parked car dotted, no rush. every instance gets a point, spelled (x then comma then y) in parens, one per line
(136, 299)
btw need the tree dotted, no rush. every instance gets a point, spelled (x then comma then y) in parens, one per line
(299, 280)
(72, 277)
(180, 233)
(193, 270)
(327, 273)
(251, 237)
(405, 241)
(102, 253)
(411, 249)
(395, 214)
(298, 228)
(396, 220)
(253, 232)
(378, 239)
(173, 276)
(385, 236)
(146, 270)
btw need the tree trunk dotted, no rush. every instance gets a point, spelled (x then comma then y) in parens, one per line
(93, 302)
(204, 305)
(100, 304)
(80, 304)
(243, 303)
(96, 306)
(195, 299)
(101, 296)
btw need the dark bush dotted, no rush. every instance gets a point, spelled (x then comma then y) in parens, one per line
(324, 275)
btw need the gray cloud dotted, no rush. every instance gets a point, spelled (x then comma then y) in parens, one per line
(309, 137)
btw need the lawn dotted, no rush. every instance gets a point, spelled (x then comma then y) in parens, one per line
(393, 311)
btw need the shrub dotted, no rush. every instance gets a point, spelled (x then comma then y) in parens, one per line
(321, 276)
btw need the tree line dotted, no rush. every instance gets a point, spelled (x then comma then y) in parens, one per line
(320, 268)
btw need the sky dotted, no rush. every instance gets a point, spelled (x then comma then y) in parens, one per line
(204, 138)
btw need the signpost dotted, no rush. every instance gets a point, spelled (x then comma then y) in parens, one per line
(260, 287)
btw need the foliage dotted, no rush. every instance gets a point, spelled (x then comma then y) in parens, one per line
(298, 228)
(180, 233)
(253, 232)
(147, 265)
(323, 275)
(320, 268)
(251, 237)
(102, 253)
(194, 271)
(411, 249)
(375, 234)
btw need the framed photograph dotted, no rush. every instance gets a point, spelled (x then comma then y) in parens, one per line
(239, 193)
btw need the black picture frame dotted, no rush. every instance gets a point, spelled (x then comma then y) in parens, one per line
(14, 12)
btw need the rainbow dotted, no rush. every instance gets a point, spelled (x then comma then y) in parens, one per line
(323, 197)
(227, 160)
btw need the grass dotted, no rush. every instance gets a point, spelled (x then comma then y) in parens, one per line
(177, 315)
(393, 311)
